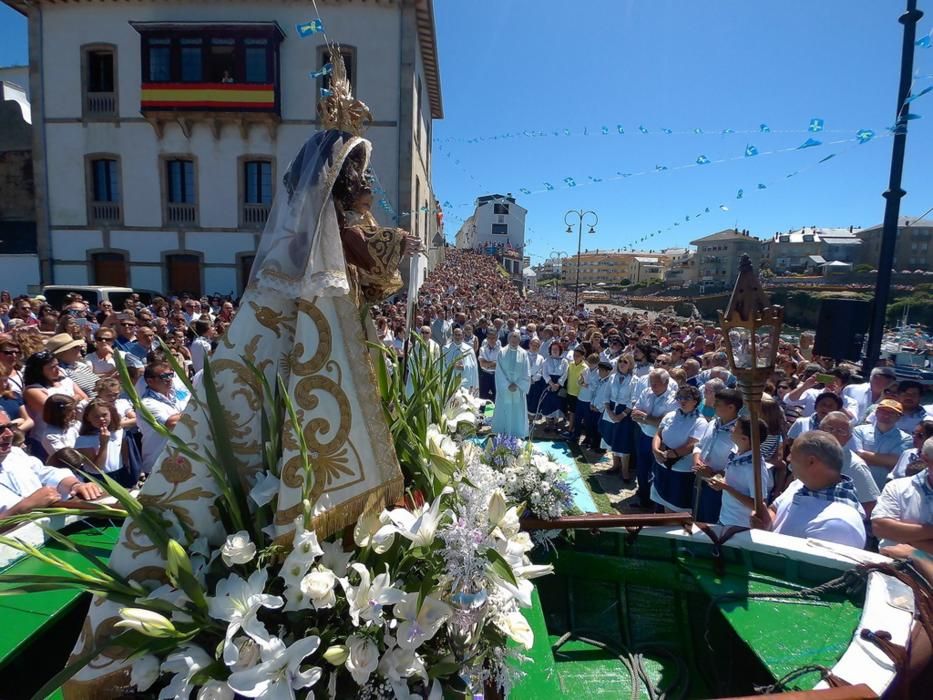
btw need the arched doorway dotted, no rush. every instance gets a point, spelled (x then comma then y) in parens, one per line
(183, 273)
(110, 269)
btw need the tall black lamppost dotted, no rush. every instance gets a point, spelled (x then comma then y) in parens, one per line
(894, 193)
(581, 215)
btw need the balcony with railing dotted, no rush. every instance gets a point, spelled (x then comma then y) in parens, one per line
(100, 104)
(106, 213)
(181, 214)
(254, 215)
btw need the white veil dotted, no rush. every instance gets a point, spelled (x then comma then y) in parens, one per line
(293, 257)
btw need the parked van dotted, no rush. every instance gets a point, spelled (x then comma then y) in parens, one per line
(93, 294)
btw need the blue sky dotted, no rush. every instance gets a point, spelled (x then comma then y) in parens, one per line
(513, 66)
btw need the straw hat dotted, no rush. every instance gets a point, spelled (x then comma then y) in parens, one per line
(62, 342)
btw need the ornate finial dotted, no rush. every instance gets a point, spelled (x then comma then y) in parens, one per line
(339, 109)
(748, 298)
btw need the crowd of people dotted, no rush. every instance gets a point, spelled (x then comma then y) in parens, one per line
(64, 413)
(844, 458)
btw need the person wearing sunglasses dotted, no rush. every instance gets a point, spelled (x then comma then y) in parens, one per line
(161, 401)
(27, 484)
(10, 356)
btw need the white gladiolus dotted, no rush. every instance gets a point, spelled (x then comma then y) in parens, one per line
(334, 558)
(265, 489)
(238, 549)
(146, 622)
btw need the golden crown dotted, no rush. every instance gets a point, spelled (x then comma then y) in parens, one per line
(338, 109)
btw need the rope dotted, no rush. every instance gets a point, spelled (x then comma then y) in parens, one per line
(634, 664)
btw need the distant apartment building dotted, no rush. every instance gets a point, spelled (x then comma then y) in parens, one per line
(166, 128)
(610, 267)
(719, 254)
(682, 270)
(913, 250)
(807, 249)
(498, 221)
(646, 269)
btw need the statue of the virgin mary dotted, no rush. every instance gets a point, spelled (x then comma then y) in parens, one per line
(320, 258)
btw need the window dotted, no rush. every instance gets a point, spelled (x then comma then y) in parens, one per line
(501, 209)
(192, 60)
(414, 214)
(221, 60)
(500, 229)
(418, 111)
(180, 192)
(98, 72)
(257, 60)
(103, 190)
(256, 189)
(160, 60)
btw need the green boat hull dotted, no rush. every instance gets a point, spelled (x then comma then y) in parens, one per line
(660, 606)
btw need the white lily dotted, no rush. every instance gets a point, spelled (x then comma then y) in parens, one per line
(517, 628)
(418, 626)
(237, 602)
(419, 525)
(334, 558)
(533, 570)
(145, 672)
(520, 593)
(185, 664)
(397, 663)
(367, 599)
(363, 658)
(374, 530)
(278, 677)
(265, 489)
(439, 444)
(305, 550)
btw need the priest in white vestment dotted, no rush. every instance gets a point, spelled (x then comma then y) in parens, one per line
(460, 354)
(512, 385)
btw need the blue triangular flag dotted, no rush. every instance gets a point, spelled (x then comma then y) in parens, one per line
(864, 135)
(548, 186)
(698, 131)
(605, 130)
(620, 129)
(524, 190)
(308, 28)
(750, 151)
(325, 92)
(920, 94)
(702, 160)
(728, 131)
(764, 128)
(570, 182)
(642, 129)
(740, 194)
(823, 160)
(762, 186)
(815, 125)
(660, 167)
(566, 132)
(326, 69)
(723, 207)
(809, 143)
(924, 42)
(667, 131)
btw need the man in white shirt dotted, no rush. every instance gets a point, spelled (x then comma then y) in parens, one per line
(160, 400)
(837, 424)
(201, 345)
(904, 514)
(649, 409)
(821, 503)
(870, 392)
(488, 355)
(27, 484)
(881, 444)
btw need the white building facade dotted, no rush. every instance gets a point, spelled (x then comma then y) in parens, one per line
(163, 128)
(498, 221)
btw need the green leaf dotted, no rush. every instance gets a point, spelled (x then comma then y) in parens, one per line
(500, 567)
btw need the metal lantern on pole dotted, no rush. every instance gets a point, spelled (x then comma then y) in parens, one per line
(751, 328)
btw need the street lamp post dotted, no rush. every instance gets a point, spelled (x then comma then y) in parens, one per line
(581, 215)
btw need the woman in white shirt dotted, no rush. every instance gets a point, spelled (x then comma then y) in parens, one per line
(100, 439)
(555, 374)
(43, 378)
(622, 394)
(536, 373)
(102, 359)
(672, 445)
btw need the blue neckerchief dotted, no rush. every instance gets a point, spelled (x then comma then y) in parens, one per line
(150, 393)
(692, 414)
(724, 427)
(736, 460)
(841, 492)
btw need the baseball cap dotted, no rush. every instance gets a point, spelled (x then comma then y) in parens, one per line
(892, 405)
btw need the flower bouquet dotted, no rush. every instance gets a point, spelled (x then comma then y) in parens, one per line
(420, 600)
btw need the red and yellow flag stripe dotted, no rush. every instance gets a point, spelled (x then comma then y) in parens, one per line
(208, 95)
